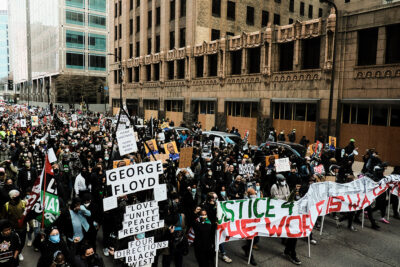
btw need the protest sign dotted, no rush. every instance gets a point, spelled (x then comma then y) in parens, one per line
(74, 117)
(217, 141)
(134, 178)
(186, 155)
(110, 203)
(121, 163)
(246, 169)
(267, 159)
(35, 121)
(319, 169)
(160, 192)
(94, 128)
(152, 144)
(126, 142)
(171, 150)
(52, 155)
(162, 157)
(22, 123)
(240, 219)
(332, 141)
(282, 165)
(140, 252)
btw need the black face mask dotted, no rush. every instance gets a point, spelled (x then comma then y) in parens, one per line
(56, 171)
(91, 259)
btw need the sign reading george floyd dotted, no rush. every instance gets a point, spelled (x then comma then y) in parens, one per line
(134, 178)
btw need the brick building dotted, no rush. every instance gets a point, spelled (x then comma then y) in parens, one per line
(242, 64)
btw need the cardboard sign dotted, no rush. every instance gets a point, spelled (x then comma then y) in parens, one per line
(22, 123)
(126, 142)
(171, 150)
(217, 141)
(246, 169)
(35, 121)
(134, 178)
(94, 129)
(267, 158)
(282, 165)
(162, 157)
(186, 156)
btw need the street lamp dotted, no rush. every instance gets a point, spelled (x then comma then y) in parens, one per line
(329, 2)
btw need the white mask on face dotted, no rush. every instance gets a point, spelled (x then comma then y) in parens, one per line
(253, 196)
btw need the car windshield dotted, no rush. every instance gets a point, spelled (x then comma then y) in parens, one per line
(235, 139)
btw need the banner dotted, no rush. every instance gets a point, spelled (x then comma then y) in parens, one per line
(246, 218)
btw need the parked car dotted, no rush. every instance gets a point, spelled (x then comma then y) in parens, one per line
(297, 150)
(225, 138)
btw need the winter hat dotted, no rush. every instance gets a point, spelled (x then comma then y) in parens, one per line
(13, 193)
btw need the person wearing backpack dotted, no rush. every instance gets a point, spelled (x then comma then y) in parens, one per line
(12, 211)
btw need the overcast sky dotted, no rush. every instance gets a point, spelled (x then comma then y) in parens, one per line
(3, 4)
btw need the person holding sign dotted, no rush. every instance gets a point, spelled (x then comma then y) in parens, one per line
(171, 150)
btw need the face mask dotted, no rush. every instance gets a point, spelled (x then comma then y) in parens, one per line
(258, 187)
(253, 196)
(140, 236)
(54, 238)
(282, 183)
(106, 158)
(223, 193)
(86, 204)
(56, 171)
(194, 191)
(90, 258)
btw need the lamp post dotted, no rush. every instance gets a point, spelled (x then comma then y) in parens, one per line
(329, 2)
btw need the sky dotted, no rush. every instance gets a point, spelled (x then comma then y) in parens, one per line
(3, 4)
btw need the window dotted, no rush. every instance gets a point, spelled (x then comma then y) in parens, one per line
(213, 65)
(97, 62)
(395, 116)
(97, 21)
(295, 111)
(215, 34)
(137, 3)
(138, 24)
(75, 39)
(392, 44)
(346, 113)
(158, 16)
(149, 19)
(183, 8)
(311, 53)
(130, 76)
(148, 46)
(116, 55)
(182, 37)
(120, 7)
(310, 11)
(157, 44)
(320, 12)
(379, 115)
(241, 109)
(300, 112)
(115, 77)
(137, 49)
(130, 50)
(253, 60)
(172, 10)
(277, 19)
(206, 107)
(264, 18)
(290, 21)
(230, 34)
(367, 46)
(216, 8)
(120, 52)
(174, 105)
(115, 32)
(131, 26)
(99, 5)
(291, 6)
(148, 73)
(231, 11)
(73, 17)
(347, 1)
(301, 8)
(286, 56)
(130, 4)
(236, 62)
(137, 74)
(150, 104)
(171, 68)
(250, 15)
(75, 60)
(278, 1)
(120, 31)
(199, 66)
(156, 72)
(116, 10)
(75, 3)
(181, 68)
(171, 40)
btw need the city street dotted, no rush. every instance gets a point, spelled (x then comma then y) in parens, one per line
(335, 247)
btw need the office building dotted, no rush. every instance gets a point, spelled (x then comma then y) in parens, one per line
(4, 55)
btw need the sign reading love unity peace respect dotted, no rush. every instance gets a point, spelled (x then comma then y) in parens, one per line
(240, 219)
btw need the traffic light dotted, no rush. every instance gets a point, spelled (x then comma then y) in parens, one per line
(100, 89)
(10, 84)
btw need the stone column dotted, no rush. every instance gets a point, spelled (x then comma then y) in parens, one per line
(381, 46)
(205, 66)
(164, 30)
(153, 27)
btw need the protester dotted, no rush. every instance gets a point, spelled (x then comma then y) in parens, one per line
(10, 245)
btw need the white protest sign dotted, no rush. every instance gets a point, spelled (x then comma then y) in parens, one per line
(23, 123)
(121, 126)
(160, 192)
(282, 165)
(52, 155)
(74, 117)
(134, 178)
(110, 203)
(246, 169)
(217, 141)
(161, 136)
(126, 141)
(153, 223)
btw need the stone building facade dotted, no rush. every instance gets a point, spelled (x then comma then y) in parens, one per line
(256, 77)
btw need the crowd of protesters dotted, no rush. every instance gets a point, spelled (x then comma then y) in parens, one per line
(85, 148)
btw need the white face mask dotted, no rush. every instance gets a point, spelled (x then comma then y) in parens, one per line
(283, 183)
(86, 204)
(253, 196)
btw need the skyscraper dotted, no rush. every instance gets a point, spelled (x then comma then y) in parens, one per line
(4, 52)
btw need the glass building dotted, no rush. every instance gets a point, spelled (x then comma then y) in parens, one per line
(68, 49)
(4, 54)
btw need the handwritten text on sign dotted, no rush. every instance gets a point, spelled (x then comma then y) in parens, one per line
(246, 169)
(126, 141)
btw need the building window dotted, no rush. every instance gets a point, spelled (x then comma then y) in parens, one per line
(253, 60)
(376, 114)
(130, 50)
(116, 10)
(392, 44)
(395, 116)
(295, 111)
(367, 46)
(182, 37)
(131, 26)
(319, 12)
(250, 15)
(130, 4)
(277, 19)
(150, 104)
(311, 53)
(170, 66)
(264, 18)
(236, 62)
(230, 34)
(99, 5)
(347, 1)
(216, 8)
(199, 66)
(130, 76)
(206, 107)
(156, 71)
(120, 7)
(75, 60)
(171, 40)
(181, 68)
(75, 3)
(149, 19)
(120, 31)
(310, 11)
(290, 21)
(148, 46)
(73, 17)
(137, 3)
(215, 34)
(116, 55)
(231, 10)
(137, 49)
(148, 73)
(213, 65)
(291, 6)
(172, 10)
(157, 44)
(97, 62)
(138, 24)
(115, 33)
(286, 56)
(120, 52)
(174, 105)
(137, 74)
(301, 8)
(75, 39)
(158, 16)
(115, 77)
(97, 21)
(242, 109)
(183, 8)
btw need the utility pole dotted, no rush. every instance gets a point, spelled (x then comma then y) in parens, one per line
(28, 45)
